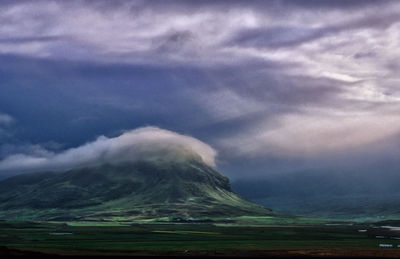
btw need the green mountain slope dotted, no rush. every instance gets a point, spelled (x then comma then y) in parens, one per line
(140, 190)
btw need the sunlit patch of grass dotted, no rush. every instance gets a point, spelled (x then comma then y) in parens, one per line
(280, 220)
(95, 223)
(185, 232)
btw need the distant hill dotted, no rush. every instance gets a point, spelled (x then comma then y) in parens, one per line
(139, 190)
(326, 194)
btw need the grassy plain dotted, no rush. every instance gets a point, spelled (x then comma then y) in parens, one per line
(242, 236)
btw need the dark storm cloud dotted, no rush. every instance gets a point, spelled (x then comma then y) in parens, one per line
(88, 99)
(276, 83)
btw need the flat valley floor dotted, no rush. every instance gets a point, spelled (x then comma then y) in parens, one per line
(267, 237)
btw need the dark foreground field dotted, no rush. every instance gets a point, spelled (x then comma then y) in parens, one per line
(241, 238)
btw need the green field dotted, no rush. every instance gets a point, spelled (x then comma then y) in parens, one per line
(241, 236)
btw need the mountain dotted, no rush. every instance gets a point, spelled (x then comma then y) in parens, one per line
(345, 194)
(137, 190)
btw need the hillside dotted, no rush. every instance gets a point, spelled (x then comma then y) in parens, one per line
(139, 190)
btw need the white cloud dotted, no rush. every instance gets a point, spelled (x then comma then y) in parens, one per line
(6, 119)
(314, 134)
(141, 143)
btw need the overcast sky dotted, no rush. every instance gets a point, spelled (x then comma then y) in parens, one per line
(270, 86)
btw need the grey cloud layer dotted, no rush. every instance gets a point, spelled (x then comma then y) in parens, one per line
(280, 78)
(177, 31)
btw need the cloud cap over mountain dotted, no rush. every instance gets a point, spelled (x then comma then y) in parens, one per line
(133, 145)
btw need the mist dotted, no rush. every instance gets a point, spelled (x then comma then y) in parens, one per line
(130, 146)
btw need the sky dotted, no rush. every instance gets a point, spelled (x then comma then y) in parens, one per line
(254, 87)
